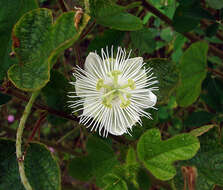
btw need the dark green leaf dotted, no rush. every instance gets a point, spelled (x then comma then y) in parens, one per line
(114, 16)
(10, 12)
(99, 162)
(209, 164)
(121, 21)
(212, 29)
(213, 90)
(55, 94)
(41, 168)
(198, 118)
(144, 40)
(186, 18)
(168, 76)
(107, 39)
(143, 179)
(192, 73)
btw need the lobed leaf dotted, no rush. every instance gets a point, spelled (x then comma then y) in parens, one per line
(158, 156)
(37, 43)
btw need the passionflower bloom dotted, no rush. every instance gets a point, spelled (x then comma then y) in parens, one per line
(113, 92)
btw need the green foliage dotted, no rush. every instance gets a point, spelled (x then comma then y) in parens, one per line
(37, 51)
(168, 75)
(143, 40)
(201, 130)
(131, 157)
(107, 39)
(10, 12)
(114, 183)
(216, 4)
(212, 94)
(158, 156)
(99, 161)
(188, 15)
(55, 95)
(209, 163)
(40, 167)
(198, 118)
(114, 17)
(48, 45)
(192, 73)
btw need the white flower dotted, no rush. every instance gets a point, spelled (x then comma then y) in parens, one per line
(113, 92)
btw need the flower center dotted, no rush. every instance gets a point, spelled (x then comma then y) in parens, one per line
(115, 91)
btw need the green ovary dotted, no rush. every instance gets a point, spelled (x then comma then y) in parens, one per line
(115, 91)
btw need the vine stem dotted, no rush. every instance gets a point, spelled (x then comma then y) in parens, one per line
(19, 133)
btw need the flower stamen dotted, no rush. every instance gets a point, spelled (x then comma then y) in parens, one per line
(115, 92)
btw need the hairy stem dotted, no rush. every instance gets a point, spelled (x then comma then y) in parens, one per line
(19, 133)
(87, 6)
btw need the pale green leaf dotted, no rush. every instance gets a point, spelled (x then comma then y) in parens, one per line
(158, 156)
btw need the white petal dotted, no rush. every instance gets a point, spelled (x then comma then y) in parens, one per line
(118, 131)
(93, 65)
(137, 60)
(152, 99)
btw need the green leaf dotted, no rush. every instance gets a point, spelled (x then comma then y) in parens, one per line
(108, 38)
(10, 12)
(167, 34)
(192, 73)
(55, 95)
(114, 16)
(99, 161)
(131, 157)
(37, 43)
(198, 118)
(213, 89)
(216, 4)
(143, 179)
(122, 21)
(212, 29)
(209, 164)
(144, 40)
(187, 17)
(201, 130)
(4, 98)
(158, 156)
(41, 168)
(168, 76)
(113, 182)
